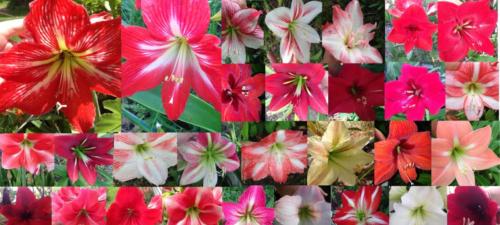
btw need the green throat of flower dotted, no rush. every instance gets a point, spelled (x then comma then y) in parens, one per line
(457, 152)
(300, 83)
(418, 213)
(26, 143)
(305, 213)
(360, 215)
(142, 148)
(192, 212)
(473, 88)
(81, 150)
(277, 147)
(248, 217)
(212, 155)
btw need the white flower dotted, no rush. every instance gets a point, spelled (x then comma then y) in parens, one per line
(420, 206)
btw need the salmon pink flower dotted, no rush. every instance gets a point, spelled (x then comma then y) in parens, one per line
(361, 207)
(27, 151)
(306, 206)
(240, 29)
(82, 206)
(204, 155)
(129, 208)
(472, 87)
(416, 90)
(457, 151)
(298, 85)
(465, 27)
(356, 89)
(405, 149)
(292, 26)
(144, 155)
(471, 205)
(402, 5)
(250, 209)
(84, 152)
(348, 38)
(279, 154)
(194, 206)
(27, 210)
(174, 50)
(413, 29)
(66, 58)
(240, 93)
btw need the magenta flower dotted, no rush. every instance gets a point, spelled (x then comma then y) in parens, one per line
(416, 90)
(84, 152)
(79, 206)
(250, 209)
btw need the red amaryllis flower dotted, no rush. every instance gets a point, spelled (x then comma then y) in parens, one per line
(27, 151)
(415, 91)
(194, 206)
(27, 210)
(413, 29)
(356, 89)
(66, 58)
(299, 85)
(402, 5)
(405, 149)
(83, 153)
(174, 50)
(361, 207)
(79, 206)
(240, 93)
(279, 154)
(471, 205)
(129, 208)
(465, 27)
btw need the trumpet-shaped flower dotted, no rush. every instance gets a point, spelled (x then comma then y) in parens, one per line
(348, 38)
(174, 50)
(27, 151)
(27, 210)
(144, 155)
(356, 89)
(413, 29)
(465, 27)
(298, 85)
(472, 87)
(66, 58)
(240, 29)
(457, 151)
(336, 156)
(194, 206)
(240, 93)
(361, 207)
(306, 206)
(204, 155)
(129, 208)
(405, 149)
(250, 209)
(471, 205)
(402, 5)
(415, 91)
(421, 205)
(79, 206)
(279, 154)
(84, 152)
(292, 26)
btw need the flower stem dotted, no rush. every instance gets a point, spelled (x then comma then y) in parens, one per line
(96, 105)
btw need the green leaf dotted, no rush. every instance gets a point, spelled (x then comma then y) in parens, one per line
(110, 122)
(197, 112)
(136, 120)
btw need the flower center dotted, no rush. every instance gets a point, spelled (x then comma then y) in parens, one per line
(305, 213)
(26, 215)
(142, 148)
(464, 25)
(457, 152)
(192, 212)
(291, 26)
(300, 82)
(412, 28)
(248, 217)
(473, 88)
(277, 147)
(211, 155)
(80, 151)
(418, 213)
(414, 90)
(360, 215)
(131, 212)
(26, 143)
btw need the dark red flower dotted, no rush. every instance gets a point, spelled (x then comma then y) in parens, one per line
(129, 208)
(356, 89)
(27, 210)
(471, 205)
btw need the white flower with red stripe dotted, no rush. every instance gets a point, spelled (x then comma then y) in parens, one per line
(361, 207)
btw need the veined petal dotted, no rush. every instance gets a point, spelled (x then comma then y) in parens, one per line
(233, 48)
(80, 109)
(306, 32)
(310, 10)
(277, 21)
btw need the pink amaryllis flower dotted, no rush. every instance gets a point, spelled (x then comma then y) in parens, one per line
(194, 206)
(240, 29)
(66, 58)
(298, 85)
(416, 90)
(84, 152)
(27, 151)
(348, 38)
(457, 151)
(144, 155)
(472, 87)
(292, 26)
(402, 5)
(174, 50)
(250, 209)
(465, 27)
(129, 208)
(279, 154)
(240, 93)
(204, 155)
(361, 207)
(79, 206)
(307, 205)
